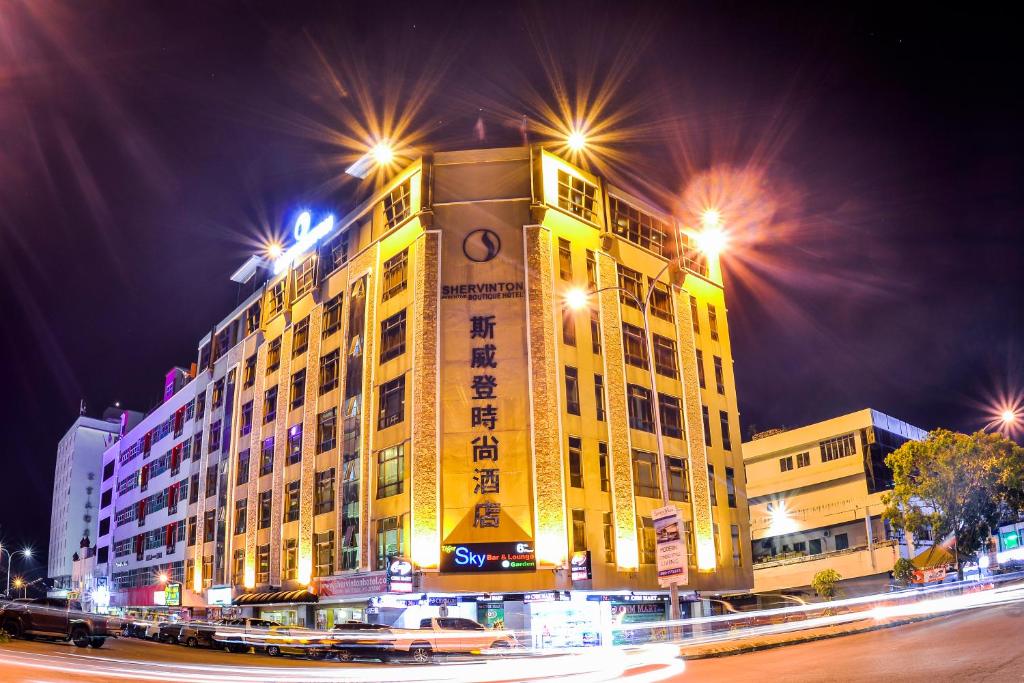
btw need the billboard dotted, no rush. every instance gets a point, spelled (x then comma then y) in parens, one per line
(488, 557)
(670, 546)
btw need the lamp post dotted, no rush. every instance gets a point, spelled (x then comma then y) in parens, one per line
(26, 552)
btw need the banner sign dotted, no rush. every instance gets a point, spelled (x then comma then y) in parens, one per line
(399, 575)
(670, 547)
(579, 566)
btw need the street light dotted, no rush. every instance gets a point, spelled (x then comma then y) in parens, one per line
(25, 552)
(1008, 417)
(19, 583)
(577, 140)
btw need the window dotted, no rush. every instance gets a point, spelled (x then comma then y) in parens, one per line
(786, 463)
(298, 396)
(242, 475)
(595, 332)
(211, 480)
(693, 257)
(575, 462)
(734, 532)
(214, 442)
(246, 419)
(591, 270)
(609, 537)
(694, 315)
(217, 396)
(304, 277)
(398, 204)
(270, 405)
(675, 469)
(241, 511)
(599, 396)
(200, 406)
(838, 447)
(665, 357)
(646, 541)
(639, 227)
(564, 259)
(568, 327)
(192, 530)
(108, 470)
(814, 546)
(263, 564)
(332, 316)
(633, 285)
(294, 444)
(324, 500)
(275, 298)
(267, 457)
(392, 403)
(711, 485)
(661, 301)
(389, 540)
(730, 486)
(291, 501)
(723, 418)
(209, 521)
(104, 526)
(719, 376)
(329, 372)
(572, 391)
(706, 417)
(106, 498)
(326, 430)
(392, 337)
(300, 336)
(395, 274)
(645, 474)
(324, 553)
(639, 402)
(634, 346)
(334, 254)
(603, 469)
(273, 355)
(577, 196)
(713, 321)
(842, 541)
(238, 567)
(671, 416)
(252, 319)
(579, 531)
(193, 489)
(700, 369)
(390, 471)
(803, 459)
(290, 563)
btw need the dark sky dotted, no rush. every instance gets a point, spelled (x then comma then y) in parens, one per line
(873, 162)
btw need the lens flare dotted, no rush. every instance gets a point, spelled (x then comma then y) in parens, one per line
(576, 299)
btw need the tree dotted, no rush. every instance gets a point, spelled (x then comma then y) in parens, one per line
(824, 583)
(903, 572)
(955, 485)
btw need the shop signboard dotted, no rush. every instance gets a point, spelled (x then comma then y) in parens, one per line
(443, 601)
(488, 557)
(670, 548)
(579, 566)
(218, 595)
(172, 595)
(399, 575)
(370, 583)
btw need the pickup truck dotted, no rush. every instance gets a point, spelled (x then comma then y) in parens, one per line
(57, 618)
(449, 635)
(238, 635)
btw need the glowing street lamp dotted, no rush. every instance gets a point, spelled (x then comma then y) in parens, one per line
(164, 578)
(25, 552)
(380, 155)
(274, 251)
(1008, 417)
(711, 240)
(383, 154)
(577, 140)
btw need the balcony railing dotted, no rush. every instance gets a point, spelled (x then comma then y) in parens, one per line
(795, 558)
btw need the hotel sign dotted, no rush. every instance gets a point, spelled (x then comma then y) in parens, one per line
(306, 235)
(488, 557)
(359, 584)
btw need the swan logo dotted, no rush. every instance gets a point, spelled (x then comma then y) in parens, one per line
(481, 245)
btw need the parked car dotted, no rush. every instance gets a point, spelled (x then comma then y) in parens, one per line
(290, 640)
(170, 632)
(199, 633)
(238, 635)
(449, 635)
(354, 640)
(57, 618)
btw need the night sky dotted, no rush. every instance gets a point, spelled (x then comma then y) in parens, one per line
(872, 163)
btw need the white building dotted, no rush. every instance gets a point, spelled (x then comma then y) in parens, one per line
(76, 494)
(816, 502)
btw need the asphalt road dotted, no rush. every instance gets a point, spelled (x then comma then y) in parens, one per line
(985, 644)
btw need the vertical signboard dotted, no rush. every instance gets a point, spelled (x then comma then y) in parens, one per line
(670, 547)
(485, 445)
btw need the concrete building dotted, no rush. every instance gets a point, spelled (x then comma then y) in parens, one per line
(406, 383)
(73, 515)
(815, 502)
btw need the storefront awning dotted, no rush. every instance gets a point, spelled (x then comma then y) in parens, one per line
(933, 557)
(276, 598)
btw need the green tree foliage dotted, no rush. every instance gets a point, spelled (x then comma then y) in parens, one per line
(824, 583)
(955, 484)
(903, 572)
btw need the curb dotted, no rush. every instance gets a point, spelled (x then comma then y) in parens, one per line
(807, 639)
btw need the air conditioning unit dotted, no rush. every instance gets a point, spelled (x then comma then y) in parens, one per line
(827, 533)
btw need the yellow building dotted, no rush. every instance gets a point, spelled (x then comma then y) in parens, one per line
(408, 382)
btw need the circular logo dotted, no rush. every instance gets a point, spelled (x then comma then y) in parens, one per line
(481, 245)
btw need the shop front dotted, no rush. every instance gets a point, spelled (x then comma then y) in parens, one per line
(347, 597)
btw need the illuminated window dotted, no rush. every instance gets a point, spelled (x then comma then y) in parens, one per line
(572, 391)
(249, 373)
(646, 540)
(564, 259)
(252, 318)
(675, 469)
(291, 501)
(693, 258)
(719, 375)
(723, 418)
(730, 486)
(568, 327)
(595, 332)
(838, 447)
(665, 356)
(671, 416)
(609, 538)
(326, 430)
(273, 355)
(700, 369)
(632, 284)
(645, 474)
(242, 475)
(191, 532)
(711, 485)
(634, 346)
(270, 404)
(694, 315)
(300, 338)
(398, 204)
(640, 228)
(267, 457)
(214, 442)
(298, 390)
(332, 315)
(575, 462)
(713, 321)
(217, 395)
(324, 553)
(291, 559)
(304, 276)
(334, 253)
(786, 463)
(329, 372)
(803, 459)
(392, 403)
(639, 402)
(599, 396)
(395, 271)
(392, 337)
(241, 510)
(324, 499)
(263, 564)
(603, 469)
(275, 299)
(294, 444)
(706, 418)
(591, 270)
(238, 564)
(661, 301)
(389, 540)
(579, 531)
(577, 196)
(391, 471)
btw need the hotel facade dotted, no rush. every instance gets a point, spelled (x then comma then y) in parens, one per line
(404, 418)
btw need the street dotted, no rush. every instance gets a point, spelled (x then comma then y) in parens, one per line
(976, 645)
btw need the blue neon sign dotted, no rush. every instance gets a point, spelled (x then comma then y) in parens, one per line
(305, 237)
